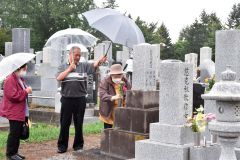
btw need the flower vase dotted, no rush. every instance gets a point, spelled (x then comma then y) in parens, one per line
(197, 139)
(213, 138)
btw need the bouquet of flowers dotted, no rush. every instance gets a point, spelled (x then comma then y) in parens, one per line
(210, 82)
(122, 88)
(199, 121)
(122, 91)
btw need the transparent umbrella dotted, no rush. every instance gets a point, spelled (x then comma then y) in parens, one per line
(11, 63)
(75, 35)
(82, 47)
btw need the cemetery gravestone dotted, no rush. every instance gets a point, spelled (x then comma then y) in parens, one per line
(20, 40)
(205, 53)
(8, 48)
(144, 66)
(170, 139)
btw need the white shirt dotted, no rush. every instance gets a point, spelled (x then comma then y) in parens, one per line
(129, 63)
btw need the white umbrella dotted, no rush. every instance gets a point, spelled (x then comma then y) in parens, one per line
(82, 47)
(116, 26)
(75, 35)
(11, 63)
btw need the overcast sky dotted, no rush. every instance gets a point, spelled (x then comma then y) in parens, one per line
(176, 14)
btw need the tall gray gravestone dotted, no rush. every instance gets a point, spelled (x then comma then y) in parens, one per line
(207, 66)
(20, 40)
(170, 139)
(156, 49)
(119, 55)
(144, 67)
(227, 52)
(205, 53)
(47, 70)
(8, 48)
(193, 59)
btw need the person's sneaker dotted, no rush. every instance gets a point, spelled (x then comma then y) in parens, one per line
(78, 149)
(60, 150)
(21, 156)
(14, 157)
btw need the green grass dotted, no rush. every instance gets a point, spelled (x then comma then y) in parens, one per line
(44, 132)
(2, 154)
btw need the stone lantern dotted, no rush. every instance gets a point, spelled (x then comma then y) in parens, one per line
(227, 124)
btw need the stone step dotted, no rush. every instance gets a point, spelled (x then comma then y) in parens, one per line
(160, 151)
(120, 144)
(135, 119)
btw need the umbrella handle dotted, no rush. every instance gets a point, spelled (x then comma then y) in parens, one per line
(108, 49)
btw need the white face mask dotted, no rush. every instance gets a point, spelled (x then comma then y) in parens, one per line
(22, 73)
(116, 80)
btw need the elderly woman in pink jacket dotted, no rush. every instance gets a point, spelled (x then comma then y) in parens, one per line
(14, 107)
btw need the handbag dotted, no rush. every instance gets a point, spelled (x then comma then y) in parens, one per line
(25, 131)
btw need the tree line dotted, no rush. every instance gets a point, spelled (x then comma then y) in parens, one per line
(45, 17)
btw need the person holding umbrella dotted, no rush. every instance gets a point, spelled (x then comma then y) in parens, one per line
(14, 105)
(74, 90)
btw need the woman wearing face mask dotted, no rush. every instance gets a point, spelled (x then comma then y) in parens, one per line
(14, 107)
(111, 94)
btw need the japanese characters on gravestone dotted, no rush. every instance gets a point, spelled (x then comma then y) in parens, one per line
(186, 92)
(20, 40)
(193, 59)
(144, 67)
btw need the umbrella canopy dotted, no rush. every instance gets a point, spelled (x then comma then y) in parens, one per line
(82, 47)
(11, 63)
(75, 35)
(116, 26)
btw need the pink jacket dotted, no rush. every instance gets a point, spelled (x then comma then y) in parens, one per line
(13, 104)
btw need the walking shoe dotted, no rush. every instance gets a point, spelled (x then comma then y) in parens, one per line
(21, 156)
(78, 149)
(14, 157)
(60, 150)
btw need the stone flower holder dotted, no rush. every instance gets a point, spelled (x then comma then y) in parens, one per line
(197, 139)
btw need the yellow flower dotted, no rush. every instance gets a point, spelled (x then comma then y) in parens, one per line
(202, 128)
(200, 117)
(206, 80)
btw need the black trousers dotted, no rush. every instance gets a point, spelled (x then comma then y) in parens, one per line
(13, 141)
(71, 108)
